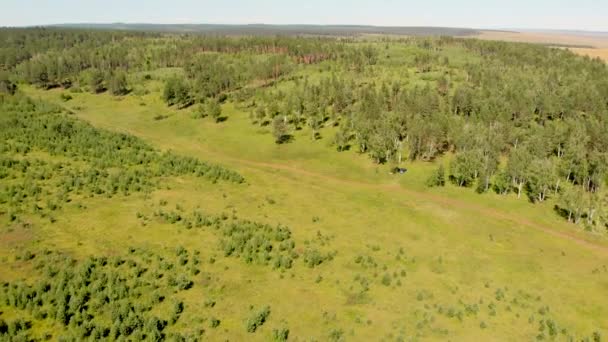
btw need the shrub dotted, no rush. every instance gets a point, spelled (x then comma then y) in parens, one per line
(214, 323)
(313, 257)
(280, 335)
(257, 319)
(336, 334)
(386, 279)
(65, 97)
(178, 308)
(214, 110)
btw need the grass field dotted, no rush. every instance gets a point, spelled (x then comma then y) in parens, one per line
(440, 264)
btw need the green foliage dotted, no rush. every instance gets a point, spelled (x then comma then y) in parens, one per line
(98, 162)
(437, 178)
(98, 297)
(464, 169)
(252, 242)
(280, 335)
(502, 183)
(96, 81)
(214, 322)
(177, 92)
(6, 85)
(258, 243)
(280, 130)
(313, 257)
(257, 319)
(118, 83)
(386, 279)
(65, 97)
(213, 110)
(342, 139)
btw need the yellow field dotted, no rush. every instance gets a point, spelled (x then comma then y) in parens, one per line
(599, 44)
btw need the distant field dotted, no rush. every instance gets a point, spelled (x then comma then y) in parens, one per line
(601, 53)
(583, 44)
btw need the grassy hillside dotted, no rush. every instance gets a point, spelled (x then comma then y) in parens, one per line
(406, 262)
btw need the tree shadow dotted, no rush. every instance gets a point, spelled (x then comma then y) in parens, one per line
(285, 139)
(561, 211)
(221, 119)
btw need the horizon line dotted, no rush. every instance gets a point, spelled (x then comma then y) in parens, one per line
(523, 29)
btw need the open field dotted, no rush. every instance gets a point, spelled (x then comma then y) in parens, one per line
(592, 45)
(593, 53)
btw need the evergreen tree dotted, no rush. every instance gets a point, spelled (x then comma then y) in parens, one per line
(96, 81)
(214, 110)
(437, 178)
(118, 83)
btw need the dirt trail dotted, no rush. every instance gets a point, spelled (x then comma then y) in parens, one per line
(436, 198)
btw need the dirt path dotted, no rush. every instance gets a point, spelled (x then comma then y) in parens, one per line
(436, 198)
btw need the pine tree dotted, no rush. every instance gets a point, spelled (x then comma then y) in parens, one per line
(437, 178)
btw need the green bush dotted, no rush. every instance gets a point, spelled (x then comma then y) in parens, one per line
(280, 335)
(257, 319)
(65, 97)
(214, 322)
(386, 279)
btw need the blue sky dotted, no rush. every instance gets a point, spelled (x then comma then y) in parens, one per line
(540, 14)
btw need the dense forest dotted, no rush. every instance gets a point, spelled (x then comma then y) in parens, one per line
(518, 121)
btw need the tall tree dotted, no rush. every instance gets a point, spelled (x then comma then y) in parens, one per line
(214, 110)
(118, 83)
(280, 130)
(96, 81)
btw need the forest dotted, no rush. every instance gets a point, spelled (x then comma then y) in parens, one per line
(506, 122)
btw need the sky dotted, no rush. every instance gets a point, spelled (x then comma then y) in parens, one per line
(590, 15)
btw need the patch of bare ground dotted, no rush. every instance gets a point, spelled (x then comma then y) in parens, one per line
(15, 235)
